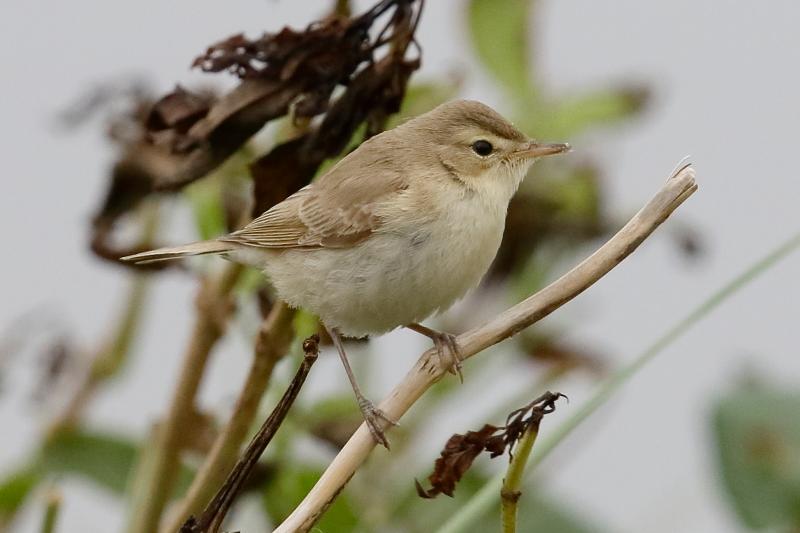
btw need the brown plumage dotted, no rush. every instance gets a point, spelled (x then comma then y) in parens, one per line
(399, 229)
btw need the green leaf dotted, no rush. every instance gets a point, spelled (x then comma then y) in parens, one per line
(572, 116)
(757, 432)
(572, 194)
(105, 459)
(206, 198)
(14, 490)
(305, 324)
(499, 33)
(288, 488)
(250, 280)
(114, 358)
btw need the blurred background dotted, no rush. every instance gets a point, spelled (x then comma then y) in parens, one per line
(706, 438)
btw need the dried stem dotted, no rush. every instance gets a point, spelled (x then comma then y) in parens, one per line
(214, 305)
(429, 369)
(215, 512)
(272, 343)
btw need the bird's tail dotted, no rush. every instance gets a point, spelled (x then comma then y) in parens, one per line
(178, 252)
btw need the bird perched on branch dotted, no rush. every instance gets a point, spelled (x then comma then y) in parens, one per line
(398, 230)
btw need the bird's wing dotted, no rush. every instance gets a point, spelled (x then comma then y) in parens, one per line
(338, 211)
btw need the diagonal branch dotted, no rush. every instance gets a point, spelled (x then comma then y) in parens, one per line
(428, 369)
(214, 514)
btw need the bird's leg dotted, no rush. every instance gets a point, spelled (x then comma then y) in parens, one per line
(440, 340)
(372, 415)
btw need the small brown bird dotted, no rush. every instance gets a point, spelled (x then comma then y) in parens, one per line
(398, 230)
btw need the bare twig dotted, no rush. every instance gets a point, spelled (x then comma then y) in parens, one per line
(272, 343)
(213, 307)
(430, 369)
(214, 513)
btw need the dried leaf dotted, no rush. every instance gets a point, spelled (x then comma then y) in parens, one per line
(185, 135)
(178, 110)
(291, 68)
(460, 451)
(550, 351)
(457, 456)
(373, 95)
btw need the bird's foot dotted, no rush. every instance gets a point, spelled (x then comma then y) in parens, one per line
(447, 342)
(376, 421)
(444, 342)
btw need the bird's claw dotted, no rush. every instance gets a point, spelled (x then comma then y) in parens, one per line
(375, 419)
(454, 361)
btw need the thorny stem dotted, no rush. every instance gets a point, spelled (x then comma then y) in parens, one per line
(427, 371)
(271, 344)
(158, 474)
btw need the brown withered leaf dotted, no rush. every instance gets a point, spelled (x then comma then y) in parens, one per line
(460, 451)
(178, 110)
(170, 142)
(321, 51)
(292, 68)
(551, 351)
(373, 95)
(139, 164)
(457, 456)
(130, 182)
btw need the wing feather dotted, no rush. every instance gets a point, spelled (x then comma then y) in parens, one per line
(339, 210)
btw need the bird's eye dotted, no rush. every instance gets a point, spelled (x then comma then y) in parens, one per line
(482, 148)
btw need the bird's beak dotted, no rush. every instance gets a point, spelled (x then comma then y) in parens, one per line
(535, 149)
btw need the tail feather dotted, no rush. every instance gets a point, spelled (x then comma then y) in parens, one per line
(178, 252)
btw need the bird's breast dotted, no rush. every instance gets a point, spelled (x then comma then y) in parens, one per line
(419, 268)
(419, 262)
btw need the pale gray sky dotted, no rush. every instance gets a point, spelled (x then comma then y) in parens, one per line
(726, 84)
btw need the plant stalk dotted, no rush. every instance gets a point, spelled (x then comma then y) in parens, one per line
(156, 478)
(510, 491)
(481, 502)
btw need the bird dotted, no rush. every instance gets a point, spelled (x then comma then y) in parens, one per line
(397, 231)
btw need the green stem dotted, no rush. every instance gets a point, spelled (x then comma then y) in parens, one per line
(482, 501)
(510, 493)
(53, 505)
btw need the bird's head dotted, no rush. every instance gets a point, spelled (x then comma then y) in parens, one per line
(479, 147)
